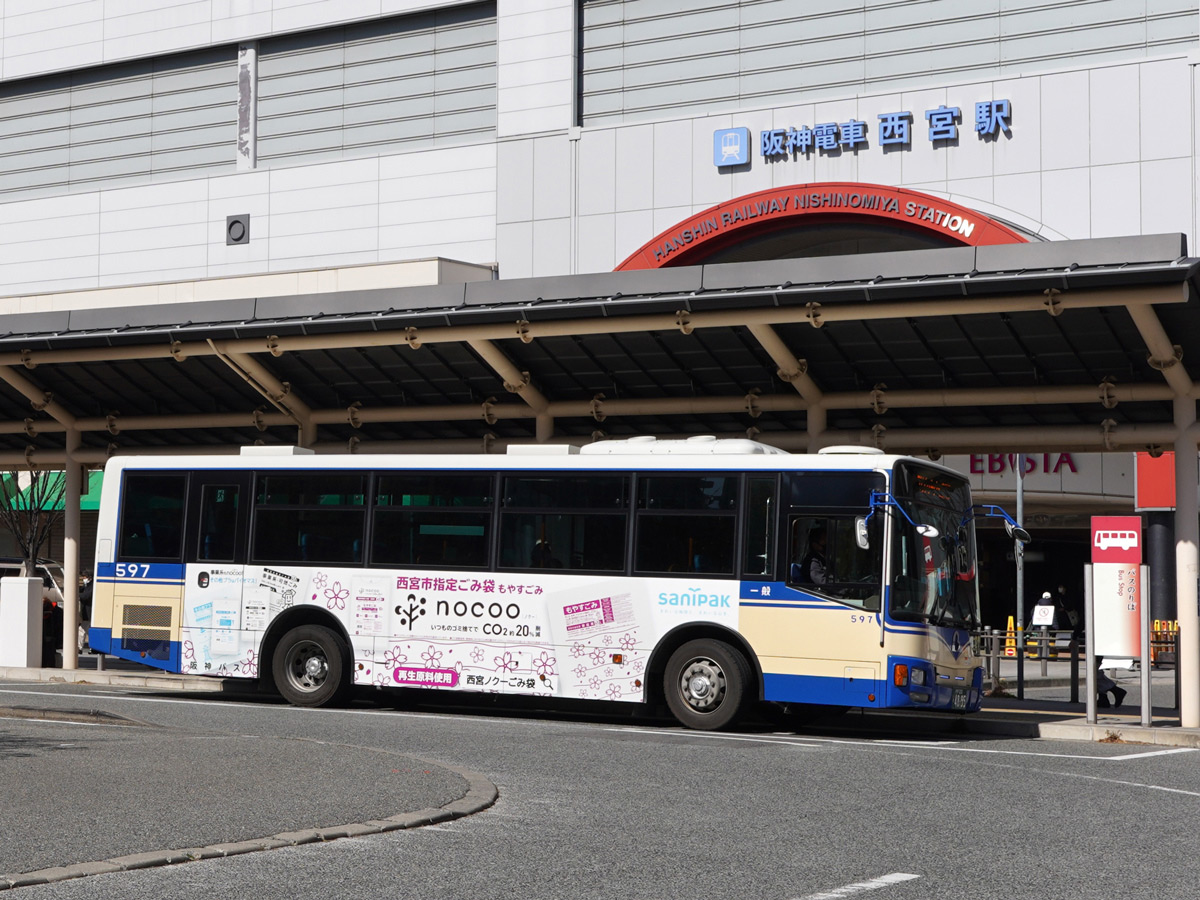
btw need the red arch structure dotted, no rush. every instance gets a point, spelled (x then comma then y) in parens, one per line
(695, 239)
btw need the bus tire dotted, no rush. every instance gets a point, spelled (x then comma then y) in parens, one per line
(311, 667)
(705, 684)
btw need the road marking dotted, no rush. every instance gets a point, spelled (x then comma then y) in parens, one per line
(65, 722)
(949, 746)
(279, 707)
(719, 737)
(1155, 753)
(860, 886)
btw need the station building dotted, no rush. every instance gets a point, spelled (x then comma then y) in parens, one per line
(382, 224)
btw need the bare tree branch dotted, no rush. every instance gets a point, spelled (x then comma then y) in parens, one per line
(31, 514)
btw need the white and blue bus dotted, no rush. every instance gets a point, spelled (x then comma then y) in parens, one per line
(707, 574)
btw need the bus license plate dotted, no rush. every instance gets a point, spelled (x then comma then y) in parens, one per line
(958, 700)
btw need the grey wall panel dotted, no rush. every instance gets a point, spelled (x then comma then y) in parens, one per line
(389, 83)
(643, 59)
(114, 123)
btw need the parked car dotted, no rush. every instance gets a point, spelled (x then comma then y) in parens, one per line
(51, 574)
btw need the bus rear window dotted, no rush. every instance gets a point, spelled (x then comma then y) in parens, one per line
(151, 516)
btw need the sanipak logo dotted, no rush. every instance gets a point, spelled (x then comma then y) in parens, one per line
(694, 598)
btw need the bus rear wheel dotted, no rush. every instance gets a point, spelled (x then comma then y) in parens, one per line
(310, 666)
(705, 684)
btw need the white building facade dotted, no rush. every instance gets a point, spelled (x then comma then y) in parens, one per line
(547, 137)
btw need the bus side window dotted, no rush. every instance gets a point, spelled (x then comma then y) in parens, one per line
(824, 557)
(761, 507)
(218, 522)
(686, 524)
(583, 519)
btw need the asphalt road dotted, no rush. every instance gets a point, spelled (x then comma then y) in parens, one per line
(595, 806)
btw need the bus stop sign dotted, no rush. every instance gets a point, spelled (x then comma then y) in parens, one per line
(1116, 585)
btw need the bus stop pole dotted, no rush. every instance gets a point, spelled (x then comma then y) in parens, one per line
(1019, 557)
(1089, 644)
(1144, 605)
(71, 497)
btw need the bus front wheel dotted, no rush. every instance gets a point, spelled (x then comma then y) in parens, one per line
(705, 684)
(310, 666)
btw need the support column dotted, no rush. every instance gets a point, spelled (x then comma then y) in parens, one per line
(544, 423)
(71, 495)
(817, 422)
(1187, 561)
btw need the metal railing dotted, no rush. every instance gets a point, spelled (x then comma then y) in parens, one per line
(1044, 645)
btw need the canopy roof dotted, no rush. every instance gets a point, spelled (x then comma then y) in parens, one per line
(1068, 345)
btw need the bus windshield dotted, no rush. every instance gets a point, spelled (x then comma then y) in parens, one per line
(933, 576)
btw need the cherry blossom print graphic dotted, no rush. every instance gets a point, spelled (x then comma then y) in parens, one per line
(395, 657)
(189, 652)
(318, 582)
(505, 662)
(580, 671)
(544, 665)
(249, 665)
(578, 650)
(432, 657)
(613, 692)
(335, 596)
(597, 657)
(477, 655)
(628, 642)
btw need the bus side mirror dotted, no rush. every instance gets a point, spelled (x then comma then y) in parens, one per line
(860, 533)
(1017, 533)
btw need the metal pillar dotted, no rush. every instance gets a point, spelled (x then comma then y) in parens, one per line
(1187, 562)
(71, 496)
(1019, 560)
(1160, 548)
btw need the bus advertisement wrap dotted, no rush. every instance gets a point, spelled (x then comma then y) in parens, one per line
(706, 574)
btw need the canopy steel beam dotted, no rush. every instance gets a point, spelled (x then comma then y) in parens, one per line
(1164, 356)
(901, 399)
(817, 314)
(41, 400)
(279, 393)
(933, 442)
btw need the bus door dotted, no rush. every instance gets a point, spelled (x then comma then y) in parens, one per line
(144, 580)
(215, 549)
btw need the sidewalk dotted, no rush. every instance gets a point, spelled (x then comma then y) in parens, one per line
(127, 674)
(1048, 708)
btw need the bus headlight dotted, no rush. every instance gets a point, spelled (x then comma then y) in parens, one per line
(918, 676)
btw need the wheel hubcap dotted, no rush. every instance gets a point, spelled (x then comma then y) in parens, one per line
(703, 684)
(307, 666)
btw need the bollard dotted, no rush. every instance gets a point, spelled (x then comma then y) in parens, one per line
(1074, 648)
(1043, 647)
(99, 662)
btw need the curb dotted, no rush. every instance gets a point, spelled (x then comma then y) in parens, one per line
(481, 794)
(153, 680)
(1164, 736)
